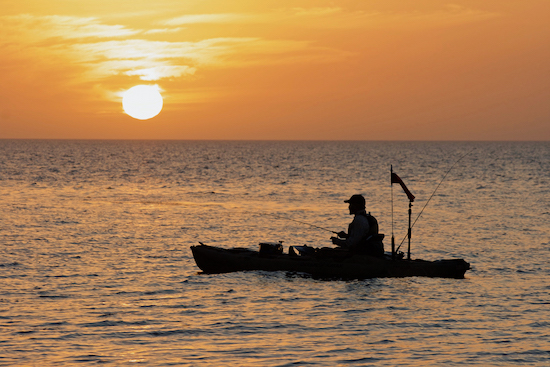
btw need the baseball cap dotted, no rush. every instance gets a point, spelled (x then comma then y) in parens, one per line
(356, 199)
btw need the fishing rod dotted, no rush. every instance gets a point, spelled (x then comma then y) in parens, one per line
(299, 221)
(432, 195)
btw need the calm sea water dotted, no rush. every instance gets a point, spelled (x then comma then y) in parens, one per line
(95, 264)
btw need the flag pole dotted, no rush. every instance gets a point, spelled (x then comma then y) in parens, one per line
(396, 179)
(392, 237)
(410, 231)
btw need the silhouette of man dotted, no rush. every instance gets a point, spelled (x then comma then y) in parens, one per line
(362, 235)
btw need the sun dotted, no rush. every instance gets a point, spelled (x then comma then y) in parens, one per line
(142, 102)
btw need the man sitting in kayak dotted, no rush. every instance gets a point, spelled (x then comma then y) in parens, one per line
(362, 236)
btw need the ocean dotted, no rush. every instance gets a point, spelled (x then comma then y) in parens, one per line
(96, 267)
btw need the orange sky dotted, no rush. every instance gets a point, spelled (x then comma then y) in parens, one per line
(330, 70)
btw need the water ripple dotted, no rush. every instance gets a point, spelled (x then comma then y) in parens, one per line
(92, 275)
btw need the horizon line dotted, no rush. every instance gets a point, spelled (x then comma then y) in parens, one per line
(283, 140)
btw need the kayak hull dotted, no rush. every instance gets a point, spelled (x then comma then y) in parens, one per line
(324, 264)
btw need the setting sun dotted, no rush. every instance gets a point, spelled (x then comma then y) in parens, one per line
(142, 102)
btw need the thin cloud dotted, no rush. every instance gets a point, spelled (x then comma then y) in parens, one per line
(163, 30)
(207, 19)
(158, 72)
(338, 18)
(27, 28)
(154, 60)
(335, 17)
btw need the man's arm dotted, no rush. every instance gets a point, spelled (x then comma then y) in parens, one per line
(358, 228)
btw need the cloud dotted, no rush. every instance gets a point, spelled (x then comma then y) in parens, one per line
(338, 18)
(158, 72)
(94, 50)
(113, 50)
(207, 18)
(27, 28)
(163, 30)
(154, 60)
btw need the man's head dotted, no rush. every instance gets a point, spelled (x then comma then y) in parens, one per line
(356, 203)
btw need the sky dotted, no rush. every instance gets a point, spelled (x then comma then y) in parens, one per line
(277, 70)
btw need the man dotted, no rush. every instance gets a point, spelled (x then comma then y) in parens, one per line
(362, 236)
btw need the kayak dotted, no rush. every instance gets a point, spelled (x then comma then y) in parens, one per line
(322, 262)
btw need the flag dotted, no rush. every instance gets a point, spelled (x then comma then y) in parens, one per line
(397, 179)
